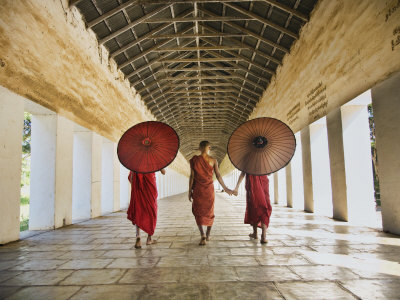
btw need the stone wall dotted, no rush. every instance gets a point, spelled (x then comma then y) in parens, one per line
(48, 56)
(346, 48)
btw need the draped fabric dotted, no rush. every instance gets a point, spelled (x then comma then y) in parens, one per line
(258, 205)
(203, 191)
(142, 209)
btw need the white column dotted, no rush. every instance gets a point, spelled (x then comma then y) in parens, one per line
(43, 170)
(282, 187)
(11, 124)
(96, 180)
(116, 180)
(337, 165)
(64, 165)
(358, 161)
(289, 194)
(307, 170)
(82, 174)
(276, 188)
(125, 187)
(297, 175)
(51, 171)
(322, 190)
(386, 105)
(107, 177)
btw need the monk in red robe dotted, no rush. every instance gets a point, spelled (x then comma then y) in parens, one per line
(201, 189)
(258, 205)
(142, 210)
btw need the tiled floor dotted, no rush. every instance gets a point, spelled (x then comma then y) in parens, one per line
(307, 257)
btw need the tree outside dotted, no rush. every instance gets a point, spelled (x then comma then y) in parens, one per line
(374, 155)
(25, 172)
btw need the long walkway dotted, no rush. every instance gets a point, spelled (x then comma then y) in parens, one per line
(307, 257)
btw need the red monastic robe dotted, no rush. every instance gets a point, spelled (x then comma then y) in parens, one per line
(258, 205)
(142, 209)
(203, 191)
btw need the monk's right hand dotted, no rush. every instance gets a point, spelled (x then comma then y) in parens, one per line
(235, 192)
(190, 196)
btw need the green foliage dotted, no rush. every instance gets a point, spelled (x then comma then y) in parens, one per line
(24, 200)
(24, 225)
(26, 150)
(26, 135)
(374, 155)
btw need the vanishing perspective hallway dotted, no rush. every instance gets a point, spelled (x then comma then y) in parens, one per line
(307, 257)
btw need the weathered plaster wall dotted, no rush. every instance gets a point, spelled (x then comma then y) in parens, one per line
(48, 56)
(346, 48)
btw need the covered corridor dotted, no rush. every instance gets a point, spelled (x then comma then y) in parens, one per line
(307, 257)
(88, 70)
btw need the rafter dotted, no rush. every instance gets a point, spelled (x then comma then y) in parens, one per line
(132, 24)
(253, 34)
(263, 20)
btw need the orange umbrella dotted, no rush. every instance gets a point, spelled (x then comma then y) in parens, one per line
(148, 147)
(261, 146)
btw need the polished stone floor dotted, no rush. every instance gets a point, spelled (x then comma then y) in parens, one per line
(307, 257)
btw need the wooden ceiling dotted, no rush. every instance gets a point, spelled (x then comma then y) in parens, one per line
(200, 66)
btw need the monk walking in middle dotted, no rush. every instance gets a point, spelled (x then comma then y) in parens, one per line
(201, 189)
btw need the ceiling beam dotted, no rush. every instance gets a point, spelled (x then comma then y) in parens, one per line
(215, 18)
(251, 48)
(132, 24)
(253, 34)
(262, 20)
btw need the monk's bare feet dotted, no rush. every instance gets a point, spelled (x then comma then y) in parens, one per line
(207, 238)
(150, 241)
(138, 244)
(263, 240)
(253, 235)
(203, 241)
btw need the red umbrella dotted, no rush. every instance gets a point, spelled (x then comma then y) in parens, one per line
(148, 147)
(261, 146)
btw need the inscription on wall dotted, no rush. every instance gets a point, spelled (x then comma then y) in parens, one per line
(394, 43)
(396, 38)
(316, 102)
(293, 113)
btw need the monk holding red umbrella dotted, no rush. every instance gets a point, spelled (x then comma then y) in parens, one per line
(257, 148)
(144, 149)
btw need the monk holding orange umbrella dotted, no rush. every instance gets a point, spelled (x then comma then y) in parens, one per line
(259, 147)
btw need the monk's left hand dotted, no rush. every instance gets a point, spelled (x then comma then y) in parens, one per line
(190, 196)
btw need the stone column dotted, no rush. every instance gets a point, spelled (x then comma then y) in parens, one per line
(11, 124)
(386, 105)
(322, 191)
(125, 187)
(289, 195)
(282, 187)
(95, 201)
(307, 170)
(43, 170)
(337, 165)
(51, 171)
(64, 165)
(107, 177)
(358, 162)
(82, 174)
(116, 178)
(297, 175)
(276, 188)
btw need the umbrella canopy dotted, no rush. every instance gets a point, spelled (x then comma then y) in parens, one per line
(261, 146)
(148, 147)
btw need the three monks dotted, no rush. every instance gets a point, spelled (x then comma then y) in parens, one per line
(201, 189)
(258, 205)
(142, 210)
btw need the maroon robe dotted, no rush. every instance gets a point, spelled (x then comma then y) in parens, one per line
(258, 205)
(203, 191)
(142, 209)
